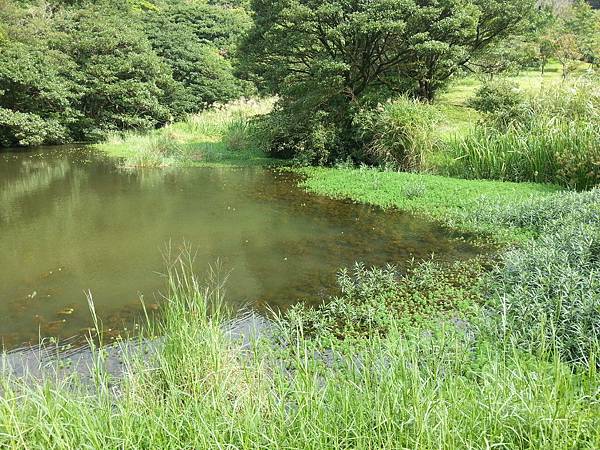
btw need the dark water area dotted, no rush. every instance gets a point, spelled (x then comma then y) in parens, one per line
(72, 221)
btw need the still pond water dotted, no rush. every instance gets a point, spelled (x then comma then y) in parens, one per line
(72, 221)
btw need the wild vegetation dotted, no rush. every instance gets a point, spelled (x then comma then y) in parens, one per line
(222, 135)
(483, 116)
(75, 71)
(446, 388)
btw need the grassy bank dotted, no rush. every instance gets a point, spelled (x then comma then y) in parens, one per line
(445, 388)
(468, 205)
(216, 137)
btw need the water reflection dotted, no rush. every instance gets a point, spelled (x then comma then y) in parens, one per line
(72, 221)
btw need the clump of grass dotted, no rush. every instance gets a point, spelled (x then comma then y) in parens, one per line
(399, 132)
(222, 134)
(549, 152)
(157, 150)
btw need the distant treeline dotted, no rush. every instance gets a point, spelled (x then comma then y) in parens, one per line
(77, 70)
(73, 71)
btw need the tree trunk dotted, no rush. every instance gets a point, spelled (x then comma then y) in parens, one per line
(426, 91)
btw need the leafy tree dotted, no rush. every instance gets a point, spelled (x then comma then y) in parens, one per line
(326, 58)
(218, 23)
(125, 85)
(583, 23)
(35, 82)
(509, 55)
(567, 52)
(203, 71)
(36, 88)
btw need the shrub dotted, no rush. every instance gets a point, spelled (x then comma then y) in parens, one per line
(549, 290)
(400, 133)
(26, 129)
(308, 138)
(502, 101)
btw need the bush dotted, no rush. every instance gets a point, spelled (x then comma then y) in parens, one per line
(400, 133)
(308, 138)
(549, 290)
(26, 129)
(502, 101)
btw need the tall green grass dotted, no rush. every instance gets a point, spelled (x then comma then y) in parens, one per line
(552, 136)
(399, 133)
(566, 153)
(408, 388)
(222, 134)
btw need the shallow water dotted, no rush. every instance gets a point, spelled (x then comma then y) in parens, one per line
(72, 221)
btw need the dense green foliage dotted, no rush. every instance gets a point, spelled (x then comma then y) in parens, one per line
(76, 71)
(195, 40)
(398, 134)
(329, 59)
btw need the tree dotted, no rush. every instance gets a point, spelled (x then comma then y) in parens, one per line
(125, 84)
(567, 52)
(583, 23)
(326, 58)
(37, 91)
(203, 70)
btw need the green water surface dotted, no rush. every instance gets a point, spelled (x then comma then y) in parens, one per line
(72, 221)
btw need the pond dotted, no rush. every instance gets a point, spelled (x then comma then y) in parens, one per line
(73, 221)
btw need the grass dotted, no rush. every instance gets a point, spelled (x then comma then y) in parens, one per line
(220, 136)
(564, 153)
(451, 201)
(460, 119)
(442, 389)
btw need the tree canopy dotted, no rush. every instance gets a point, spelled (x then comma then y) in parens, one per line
(326, 58)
